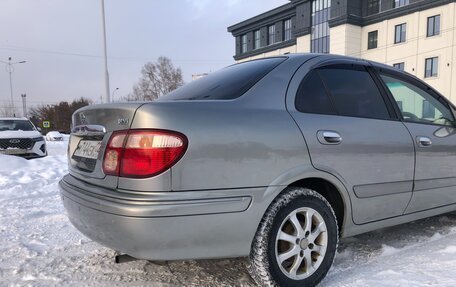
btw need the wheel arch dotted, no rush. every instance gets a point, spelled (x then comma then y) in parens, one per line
(330, 192)
(326, 184)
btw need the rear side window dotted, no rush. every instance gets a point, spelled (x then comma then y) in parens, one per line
(226, 84)
(312, 96)
(354, 92)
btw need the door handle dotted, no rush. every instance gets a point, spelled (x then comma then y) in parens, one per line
(329, 137)
(424, 141)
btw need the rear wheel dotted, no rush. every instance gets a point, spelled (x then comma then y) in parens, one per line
(296, 241)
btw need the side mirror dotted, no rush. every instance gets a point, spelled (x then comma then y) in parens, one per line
(38, 129)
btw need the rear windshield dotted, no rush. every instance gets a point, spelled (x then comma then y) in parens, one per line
(226, 84)
(15, 125)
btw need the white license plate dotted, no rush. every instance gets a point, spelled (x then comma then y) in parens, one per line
(13, 151)
(88, 149)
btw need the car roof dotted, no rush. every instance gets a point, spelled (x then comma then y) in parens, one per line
(325, 56)
(335, 57)
(379, 66)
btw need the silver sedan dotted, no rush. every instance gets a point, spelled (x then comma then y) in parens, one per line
(275, 159)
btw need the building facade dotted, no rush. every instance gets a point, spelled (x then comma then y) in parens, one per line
(418, 36)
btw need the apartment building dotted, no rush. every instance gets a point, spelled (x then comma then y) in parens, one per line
(417, 36)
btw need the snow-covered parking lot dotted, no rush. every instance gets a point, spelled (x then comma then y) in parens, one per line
(39, 247)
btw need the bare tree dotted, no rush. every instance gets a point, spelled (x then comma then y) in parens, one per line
(59, 115)
(157, 79)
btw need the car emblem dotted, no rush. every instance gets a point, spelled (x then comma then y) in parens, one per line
(123, 122)
(83, 118)
(15, 141)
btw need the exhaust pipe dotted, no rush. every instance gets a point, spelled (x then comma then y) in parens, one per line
(123, 258)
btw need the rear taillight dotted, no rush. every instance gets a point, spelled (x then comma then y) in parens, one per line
(113, 153)
(142, 153)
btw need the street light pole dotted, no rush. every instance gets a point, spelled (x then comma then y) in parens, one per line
(107, 89)
(113, 92)
(10, 70)
(24, 105)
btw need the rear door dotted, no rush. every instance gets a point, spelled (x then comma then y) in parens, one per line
(352, 132)
(430, 120)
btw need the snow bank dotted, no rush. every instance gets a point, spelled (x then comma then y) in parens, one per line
(449, 249)
(9, 163)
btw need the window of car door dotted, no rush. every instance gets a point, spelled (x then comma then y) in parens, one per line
(417, 105)
(345, 90)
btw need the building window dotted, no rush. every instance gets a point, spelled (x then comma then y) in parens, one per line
(373, 7)
(257, 43)
(321, 10)
(287, 30)
(271, 34)
(400, 33)
(399, 66)
(431, 67)
(433, 26)
(244, 43)
(400, 3)
(372, 40)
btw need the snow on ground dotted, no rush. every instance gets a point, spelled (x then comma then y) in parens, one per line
(39, 247)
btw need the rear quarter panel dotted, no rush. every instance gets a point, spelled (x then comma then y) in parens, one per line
(247, 142)
(230, 146)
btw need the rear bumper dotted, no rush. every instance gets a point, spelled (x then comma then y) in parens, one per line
(166, 225)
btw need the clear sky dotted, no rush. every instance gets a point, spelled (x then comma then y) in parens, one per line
(61, 40)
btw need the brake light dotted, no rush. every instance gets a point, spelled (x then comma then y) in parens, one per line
(113, 153)
(143, 153)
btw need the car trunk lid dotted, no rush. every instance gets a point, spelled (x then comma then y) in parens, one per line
(92, 127)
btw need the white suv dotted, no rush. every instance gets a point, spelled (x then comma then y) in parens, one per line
(18, 136)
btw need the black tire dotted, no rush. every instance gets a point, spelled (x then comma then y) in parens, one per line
(264, 267)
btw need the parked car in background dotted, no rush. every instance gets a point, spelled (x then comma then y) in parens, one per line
(275, 159)
(18, 136)
(54, 136)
